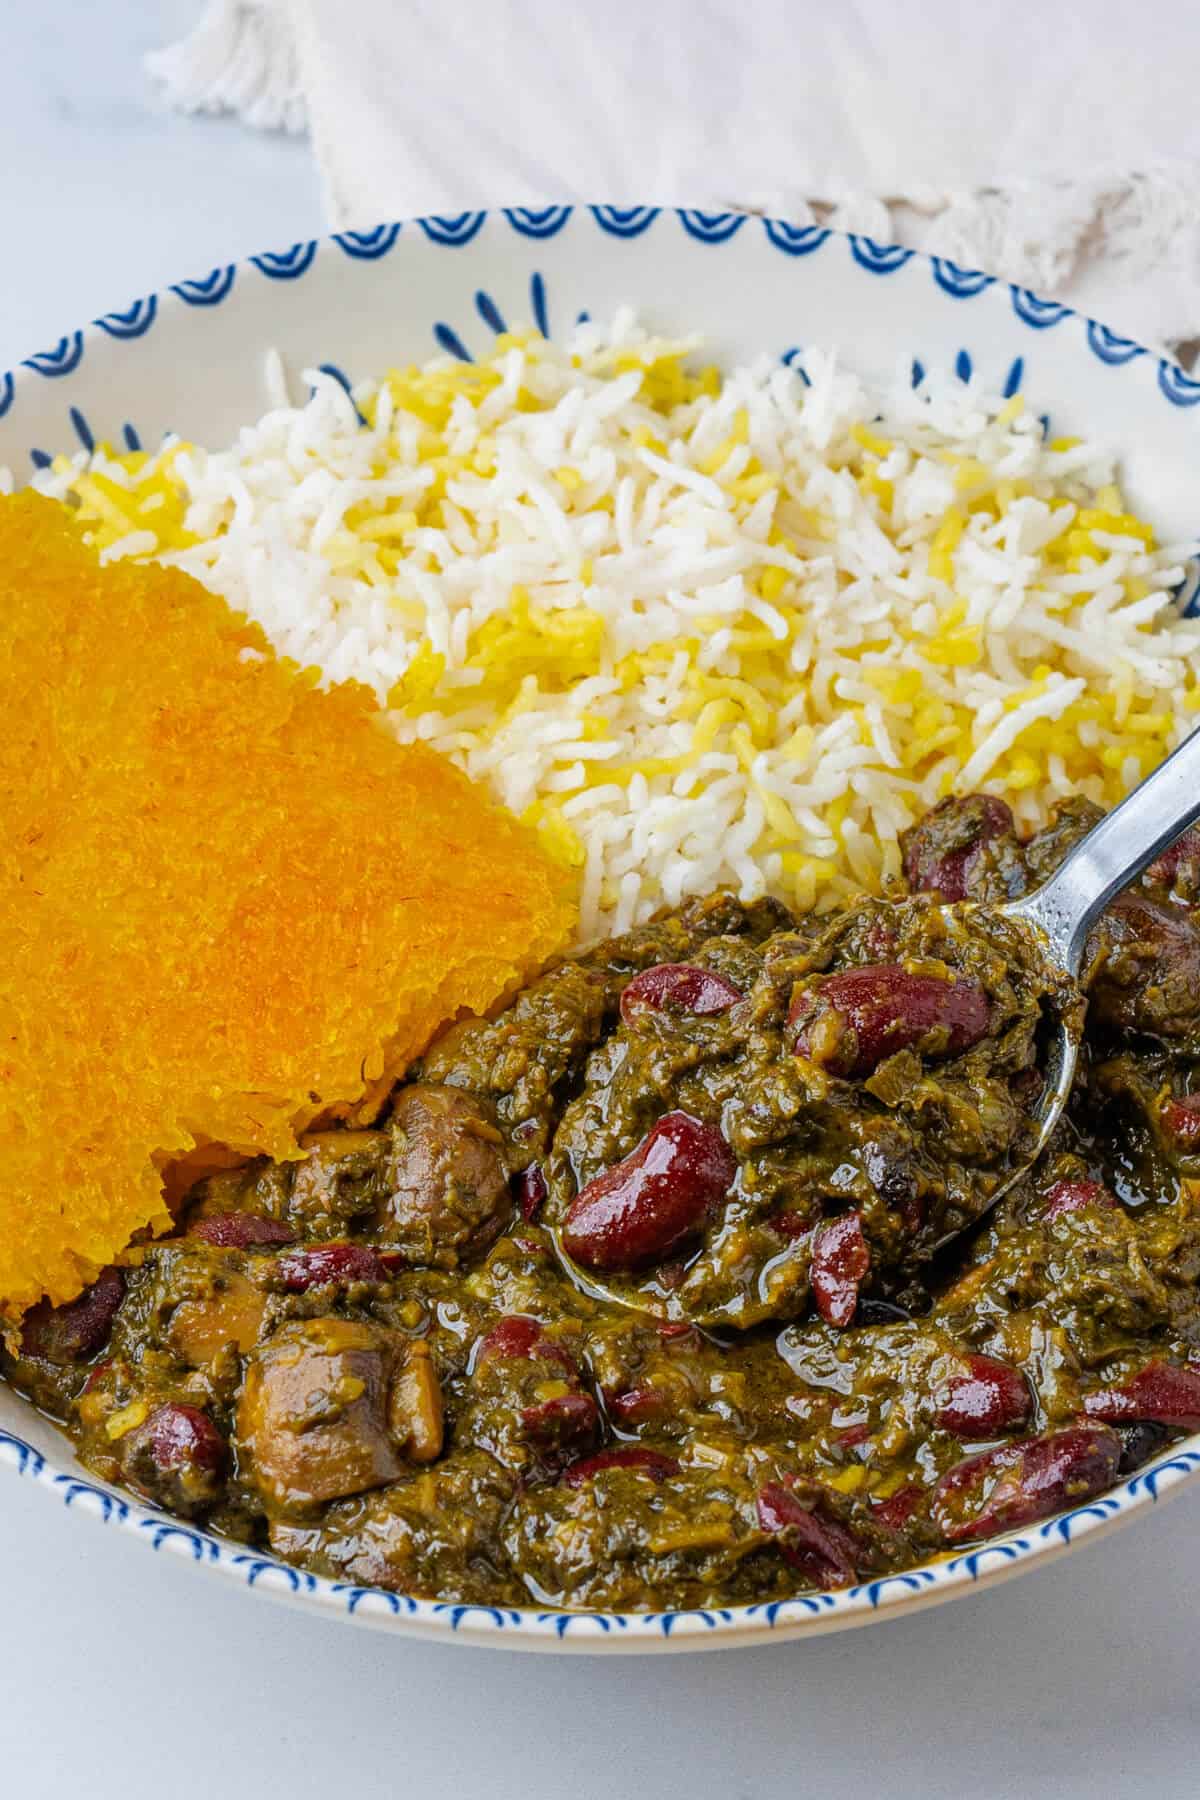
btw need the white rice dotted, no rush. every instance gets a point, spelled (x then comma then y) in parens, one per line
(804, 782)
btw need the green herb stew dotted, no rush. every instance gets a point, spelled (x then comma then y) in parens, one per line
(632, 1296)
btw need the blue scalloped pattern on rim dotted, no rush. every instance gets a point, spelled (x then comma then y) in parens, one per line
(538, 221)
(64, 359)
(1179, 388)
(162, 1532)
(1032, 310)
(453, 230)
(796, 240)
(878, 259)
(710, 228)
(1109, 347)
(368, 246)
(625, 221)
(134, 322)
(287, 265)
(207, 290)
(960, 284)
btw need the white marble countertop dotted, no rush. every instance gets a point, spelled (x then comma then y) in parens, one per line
(132, 1676)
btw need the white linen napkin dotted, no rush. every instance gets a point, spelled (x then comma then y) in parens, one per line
(1055, 144)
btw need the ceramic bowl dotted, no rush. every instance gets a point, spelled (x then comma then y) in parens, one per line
(192, 360)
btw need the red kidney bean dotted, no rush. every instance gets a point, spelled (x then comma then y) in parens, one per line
(1073, 1196)
(240, 1231)
(566, 1419)
(822, 1549)
(1181, 1124)
(1160, 1393)
(670, 1329)
(987, 1398)
(930, 867)
(1018, 1483)
(638, 1405)
(653, 1201)
(792, 1225)
(650, 1462)
(184, 1436)
(679, 988)
(517, 1335)
(324, 1264)
(177, 1456)
(853, 1435)
(849, 1022)
(896, 1511)
(66, 1334)
(840, 1264)
(531, 1192)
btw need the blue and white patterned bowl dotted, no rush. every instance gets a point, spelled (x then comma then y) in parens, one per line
(191, 360)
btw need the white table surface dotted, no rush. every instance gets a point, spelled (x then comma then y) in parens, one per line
(127, 1675)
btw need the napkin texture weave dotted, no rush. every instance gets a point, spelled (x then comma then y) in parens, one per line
(1057, 145)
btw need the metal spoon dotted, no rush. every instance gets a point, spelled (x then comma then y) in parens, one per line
(1063, 910)
(1059, 916)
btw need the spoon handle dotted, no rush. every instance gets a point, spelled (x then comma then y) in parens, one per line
(1120, 847)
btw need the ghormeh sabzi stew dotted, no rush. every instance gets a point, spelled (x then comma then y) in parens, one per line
(375, 1362)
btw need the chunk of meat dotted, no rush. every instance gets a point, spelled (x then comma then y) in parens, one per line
(1143, 968)
(947, 852)
(415, 1412)
(67, 1334)
(850, 1021)
(446, 1189)
(339, 1180)
(201, 1328)
(314, 1421)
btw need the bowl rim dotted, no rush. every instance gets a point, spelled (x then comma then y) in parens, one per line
(453, 232)
(940, 1578)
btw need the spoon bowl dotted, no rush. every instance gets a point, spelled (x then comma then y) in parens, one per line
(1057, 917)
